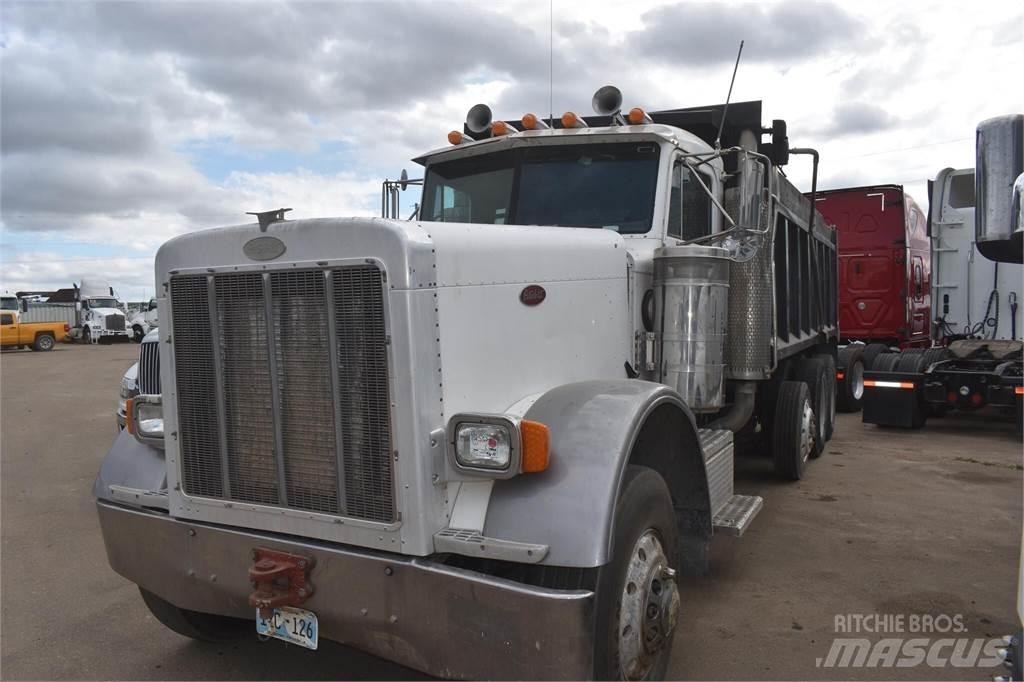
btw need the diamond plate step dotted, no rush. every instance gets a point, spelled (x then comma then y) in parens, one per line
(472, 543)
(737, 514)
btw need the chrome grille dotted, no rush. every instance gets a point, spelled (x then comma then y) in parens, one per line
(115, 322)
(300, 417)
(149, 368)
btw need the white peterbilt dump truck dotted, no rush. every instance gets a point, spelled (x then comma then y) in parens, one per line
(491, 440)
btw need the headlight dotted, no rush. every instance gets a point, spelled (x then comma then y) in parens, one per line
(488, 446)
(146, 419)
(497, 446)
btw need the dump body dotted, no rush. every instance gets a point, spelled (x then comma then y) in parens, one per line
(884, 264)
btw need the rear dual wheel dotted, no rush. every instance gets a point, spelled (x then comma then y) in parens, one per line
(850, 390)
(814, 372)
(793, 432)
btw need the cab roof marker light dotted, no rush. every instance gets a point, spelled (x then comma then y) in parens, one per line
(638, 116)
(571, 120)
(499, 128)
(455, 137)
(532, 122)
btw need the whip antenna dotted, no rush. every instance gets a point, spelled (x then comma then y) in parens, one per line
(725, 111)
(551, 63)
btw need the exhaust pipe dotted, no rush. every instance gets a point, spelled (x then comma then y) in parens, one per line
(737, 416)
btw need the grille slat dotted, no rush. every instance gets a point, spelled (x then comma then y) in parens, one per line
(303, 356)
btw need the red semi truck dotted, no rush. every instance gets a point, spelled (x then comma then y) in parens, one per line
(884, 278)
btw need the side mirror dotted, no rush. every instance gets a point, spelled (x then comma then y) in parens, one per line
(23, 304)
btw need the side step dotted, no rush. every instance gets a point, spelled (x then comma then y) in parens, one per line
(737, 514)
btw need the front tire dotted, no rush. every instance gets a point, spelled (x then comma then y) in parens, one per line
(137, 334)
(637, 598)
(206, 627)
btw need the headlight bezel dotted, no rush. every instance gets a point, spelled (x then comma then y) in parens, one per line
(148, 403)
(510, 424)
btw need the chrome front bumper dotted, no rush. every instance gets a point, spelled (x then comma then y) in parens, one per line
(445, 621)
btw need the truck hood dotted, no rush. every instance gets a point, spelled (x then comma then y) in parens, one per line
(418, 254)
(105, 311)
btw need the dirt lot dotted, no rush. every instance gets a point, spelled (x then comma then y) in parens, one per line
(887, 522)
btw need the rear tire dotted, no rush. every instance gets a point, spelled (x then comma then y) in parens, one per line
(813, 372)
(937, 354)
(872, 351)
(206, 627)
(638, 581)
(850, 391)
(830, 380)
(793, 431)
(44, 342)
(886, 362)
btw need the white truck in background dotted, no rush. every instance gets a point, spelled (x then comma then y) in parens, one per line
(142, 322)
(99, 315)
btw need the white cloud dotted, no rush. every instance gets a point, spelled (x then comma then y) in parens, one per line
(99, 99)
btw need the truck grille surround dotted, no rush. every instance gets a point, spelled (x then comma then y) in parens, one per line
(282, 389)
(115, 322)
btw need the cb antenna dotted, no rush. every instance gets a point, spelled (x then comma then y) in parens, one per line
(725, 110)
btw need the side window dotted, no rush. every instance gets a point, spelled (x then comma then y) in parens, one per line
(6, 318)
(689, 213)
(961, 190)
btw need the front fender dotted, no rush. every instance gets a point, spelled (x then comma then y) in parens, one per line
(594, 426)
(130, 465)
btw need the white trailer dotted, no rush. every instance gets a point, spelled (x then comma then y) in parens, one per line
(488, 441)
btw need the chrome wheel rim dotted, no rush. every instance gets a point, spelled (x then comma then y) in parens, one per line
(807, 426)
(856, 379)
(649, 607)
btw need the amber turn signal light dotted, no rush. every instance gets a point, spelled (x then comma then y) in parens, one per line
(536, 444)
(129, 418)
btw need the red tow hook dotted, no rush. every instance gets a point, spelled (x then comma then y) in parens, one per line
(278, 579)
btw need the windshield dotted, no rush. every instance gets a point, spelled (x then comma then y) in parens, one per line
(607, 186)
(103, 303)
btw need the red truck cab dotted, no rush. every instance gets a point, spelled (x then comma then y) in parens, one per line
(884, 265)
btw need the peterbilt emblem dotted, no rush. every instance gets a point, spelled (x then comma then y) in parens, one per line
(532, 295)
(264, 248)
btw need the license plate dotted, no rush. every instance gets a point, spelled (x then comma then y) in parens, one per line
(297, 626)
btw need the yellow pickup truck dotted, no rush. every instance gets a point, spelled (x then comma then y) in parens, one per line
(37, 335)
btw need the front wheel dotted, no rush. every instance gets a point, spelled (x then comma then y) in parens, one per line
(205, 627)
(86, 335)
(637, 597)
(137, 334)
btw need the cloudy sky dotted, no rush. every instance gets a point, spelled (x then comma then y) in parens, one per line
(125, 123)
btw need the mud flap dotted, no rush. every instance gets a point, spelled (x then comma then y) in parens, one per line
(894, 399)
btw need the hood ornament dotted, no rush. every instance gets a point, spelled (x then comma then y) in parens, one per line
(267, 217)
